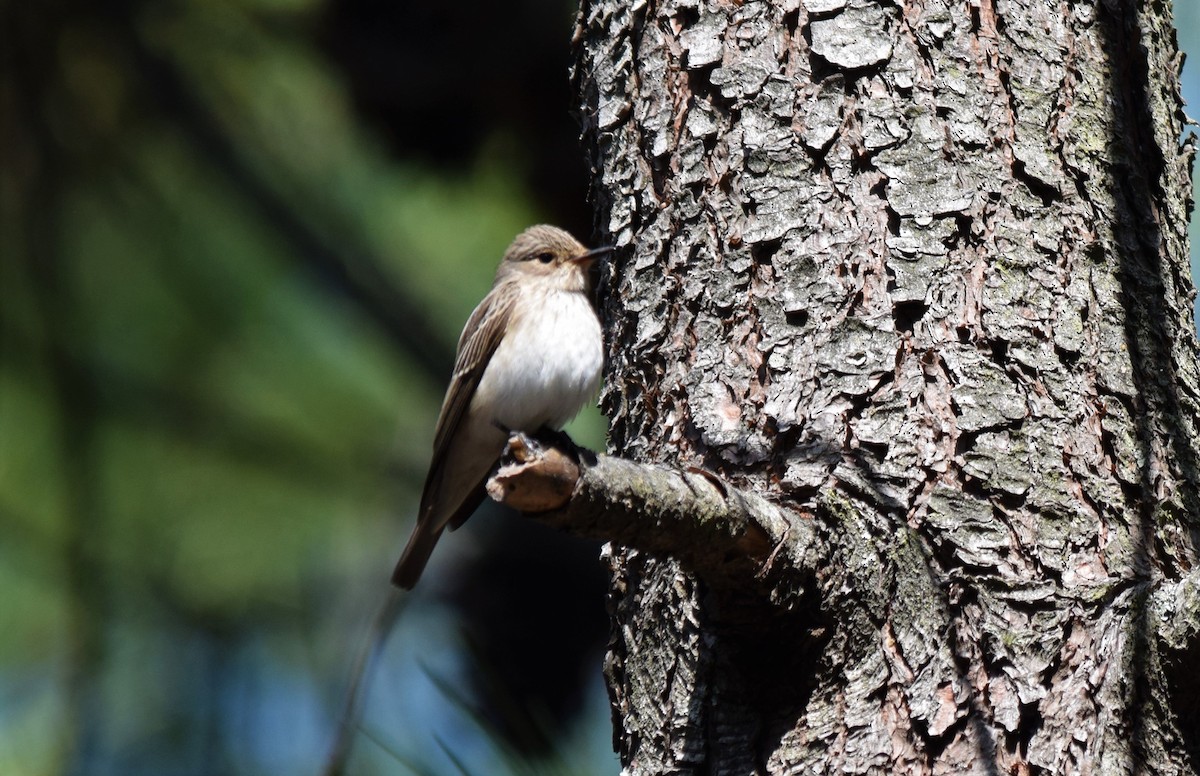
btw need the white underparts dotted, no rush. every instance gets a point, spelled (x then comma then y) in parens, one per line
(548, 364)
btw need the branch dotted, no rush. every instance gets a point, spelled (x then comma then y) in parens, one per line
(725, 535)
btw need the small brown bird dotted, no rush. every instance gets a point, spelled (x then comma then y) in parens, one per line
(529, 358)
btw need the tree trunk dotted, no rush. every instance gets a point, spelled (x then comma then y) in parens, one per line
(919, 274)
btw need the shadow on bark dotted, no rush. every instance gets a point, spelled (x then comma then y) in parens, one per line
(1166, 684)
(975, 721)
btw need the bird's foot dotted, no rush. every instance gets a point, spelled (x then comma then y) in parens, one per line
(521, 447)
(525, 447)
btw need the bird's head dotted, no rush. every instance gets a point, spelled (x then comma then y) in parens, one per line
(551, 254)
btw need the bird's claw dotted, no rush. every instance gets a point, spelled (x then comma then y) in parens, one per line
(523, 447)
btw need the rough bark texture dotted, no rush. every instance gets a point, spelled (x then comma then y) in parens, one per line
(919, 271)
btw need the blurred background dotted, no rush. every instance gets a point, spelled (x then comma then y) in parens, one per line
(238, 239)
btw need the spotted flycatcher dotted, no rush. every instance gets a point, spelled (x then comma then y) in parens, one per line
(529, 358)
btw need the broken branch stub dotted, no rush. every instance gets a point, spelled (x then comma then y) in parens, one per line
(725, 535)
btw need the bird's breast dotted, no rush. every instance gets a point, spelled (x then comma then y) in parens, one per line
(546, 367)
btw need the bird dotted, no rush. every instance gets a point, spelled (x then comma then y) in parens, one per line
(529, 358)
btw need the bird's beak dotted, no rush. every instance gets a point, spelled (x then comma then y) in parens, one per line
(586, 259)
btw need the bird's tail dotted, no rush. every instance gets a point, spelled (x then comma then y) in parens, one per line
(416, 555)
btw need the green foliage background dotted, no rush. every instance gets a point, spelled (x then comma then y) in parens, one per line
(226, 317)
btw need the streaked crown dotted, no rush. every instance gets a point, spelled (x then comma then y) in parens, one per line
(547, 252)
(539, 242)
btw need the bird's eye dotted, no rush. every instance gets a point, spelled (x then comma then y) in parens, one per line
(545, 257)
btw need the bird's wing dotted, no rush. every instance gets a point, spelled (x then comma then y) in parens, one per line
(480, 338)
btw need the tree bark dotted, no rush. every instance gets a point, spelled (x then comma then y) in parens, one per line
(918, 275)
